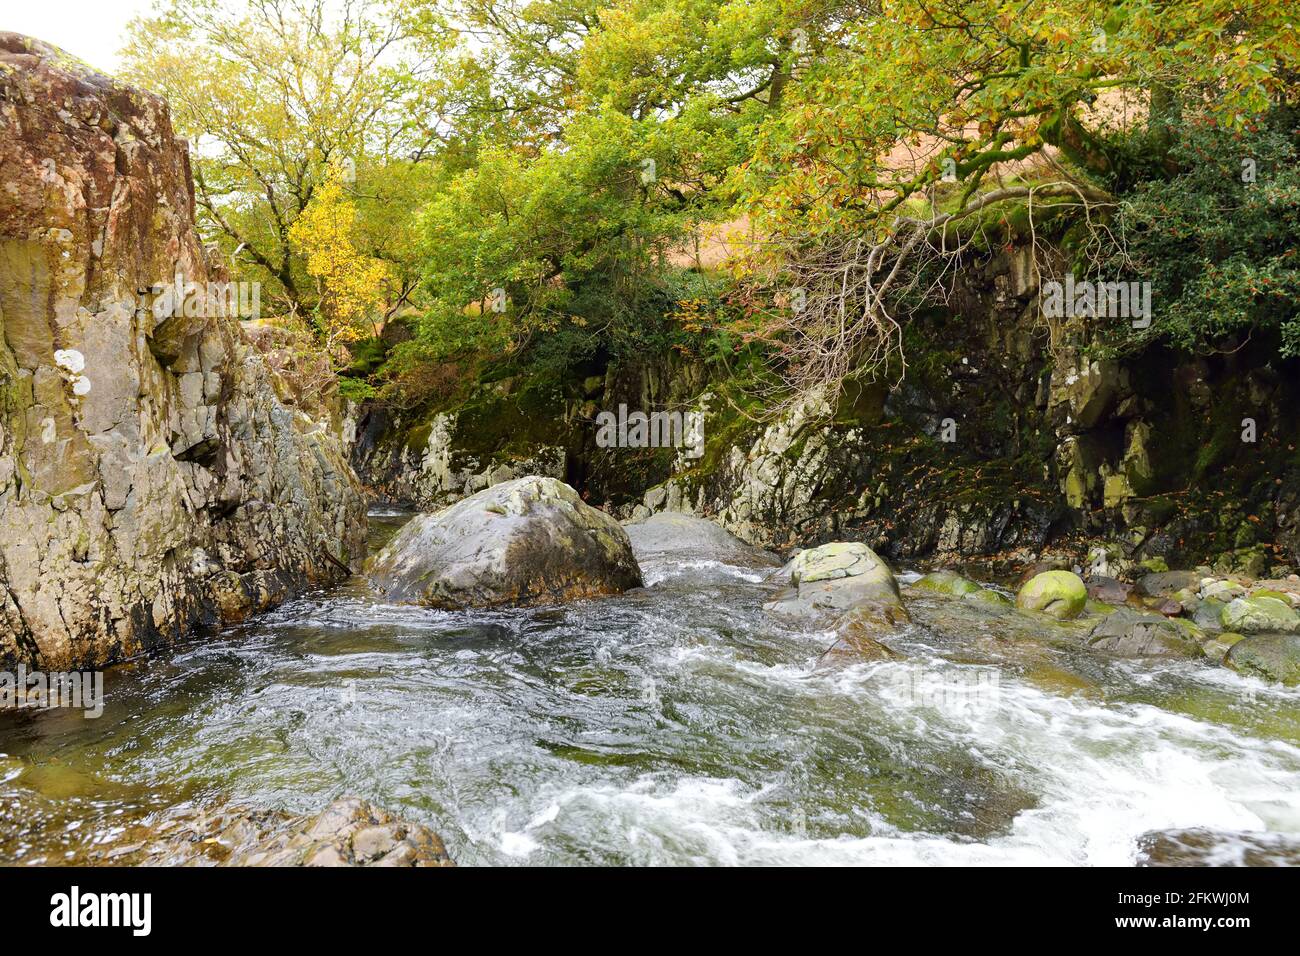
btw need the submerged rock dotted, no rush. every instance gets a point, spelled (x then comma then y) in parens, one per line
(349, 832)
(1130, 633)
(670, 535)
(154, 471)
(523, 542)
(1058, 594)
(1274, 657)
(954, 585)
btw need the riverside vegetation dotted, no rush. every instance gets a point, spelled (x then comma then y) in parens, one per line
(949, 570)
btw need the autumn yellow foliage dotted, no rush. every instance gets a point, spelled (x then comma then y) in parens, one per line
(351, 284)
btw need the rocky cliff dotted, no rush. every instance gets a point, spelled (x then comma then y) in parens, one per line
(154, 472)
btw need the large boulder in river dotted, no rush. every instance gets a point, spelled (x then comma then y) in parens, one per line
(523, 542)
(154, 472)
(1058, 594)
(673, 536)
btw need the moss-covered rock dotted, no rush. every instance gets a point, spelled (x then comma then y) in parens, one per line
(1259, 614)
(1058, 594)
(828, 582)
(952, 584)
(1274, 657)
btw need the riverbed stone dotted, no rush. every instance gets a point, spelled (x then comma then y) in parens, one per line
(1129, 632)
(1257, 615)
(1216, 646)
(829, 581)
(1058, 594)
(1274, 657)
(524, 542)
(1108, 590)
(1166, 583)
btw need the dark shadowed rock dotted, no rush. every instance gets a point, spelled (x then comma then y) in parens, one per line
(1108, 590)
(523, 542)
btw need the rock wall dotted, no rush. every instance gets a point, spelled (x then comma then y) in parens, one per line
(154, 474)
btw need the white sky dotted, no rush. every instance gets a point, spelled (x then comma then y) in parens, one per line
(91, 30)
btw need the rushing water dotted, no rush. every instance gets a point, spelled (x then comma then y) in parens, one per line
(672, 725)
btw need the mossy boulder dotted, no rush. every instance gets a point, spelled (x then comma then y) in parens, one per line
(1259, 615)
(1216, 646)
(1058, 594)
(1274, 657)
(524, 542)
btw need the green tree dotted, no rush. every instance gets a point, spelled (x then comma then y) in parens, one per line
(273, 92)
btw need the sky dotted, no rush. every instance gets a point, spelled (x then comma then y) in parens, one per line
(91, 30)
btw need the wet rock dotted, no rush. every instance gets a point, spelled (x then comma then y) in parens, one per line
(1257, 615)
(1058, 594)
(155, 473)
(1274, 657)
(954, 585)
(829, 581)
(671, 535)
(524, 542)
(1131, 633)
(1216, 647)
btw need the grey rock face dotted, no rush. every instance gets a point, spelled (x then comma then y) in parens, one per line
(522, 542)
(154, 472)
(1130, 633)
(671, 535)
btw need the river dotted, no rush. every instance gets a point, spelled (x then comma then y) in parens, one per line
(671, 725)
